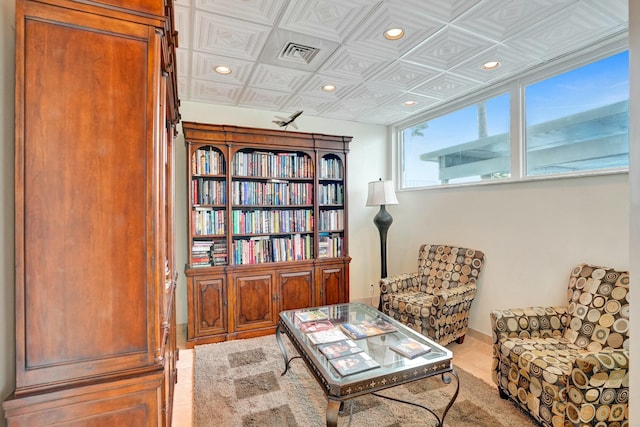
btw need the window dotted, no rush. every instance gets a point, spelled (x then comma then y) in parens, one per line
(578, 121)
(574, 122)
(467, 145)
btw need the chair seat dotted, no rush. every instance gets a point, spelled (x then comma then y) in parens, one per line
(412, 303)
(543, 365)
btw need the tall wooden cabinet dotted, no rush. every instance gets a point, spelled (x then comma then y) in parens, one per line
(96, 109)
(267, 227)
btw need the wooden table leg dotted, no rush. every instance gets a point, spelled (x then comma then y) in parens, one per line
(333, 406)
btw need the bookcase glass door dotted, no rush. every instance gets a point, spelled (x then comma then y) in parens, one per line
(331, 178)
(272, 206)
(208, 213)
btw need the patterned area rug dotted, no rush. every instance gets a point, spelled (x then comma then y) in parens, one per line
(238, 383)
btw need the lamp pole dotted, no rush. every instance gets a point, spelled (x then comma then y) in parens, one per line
(383, 221)
(381, 194)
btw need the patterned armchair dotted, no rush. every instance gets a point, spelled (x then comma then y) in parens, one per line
(435, 300)
(569, 365)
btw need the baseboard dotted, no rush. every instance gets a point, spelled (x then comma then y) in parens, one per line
(367, 301)
(479, 336)
(181, 335)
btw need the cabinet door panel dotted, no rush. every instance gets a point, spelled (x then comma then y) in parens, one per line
(296, 289)
(84, 273)
(254, 302)
(211, 317)
(331, 283)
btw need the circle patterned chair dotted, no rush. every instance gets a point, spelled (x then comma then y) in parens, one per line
(569, 365)
(435, 300)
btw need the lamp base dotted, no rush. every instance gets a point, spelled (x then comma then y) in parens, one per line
(383, 221)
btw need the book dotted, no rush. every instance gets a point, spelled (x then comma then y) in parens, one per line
(315, 326)
(314, 314)
(354, 363)
(339, 348)
(367, 328)
(410, 348)
(326, 336)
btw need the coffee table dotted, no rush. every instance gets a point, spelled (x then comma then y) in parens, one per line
(394, 369)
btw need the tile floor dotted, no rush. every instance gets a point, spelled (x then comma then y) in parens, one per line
(474, 356)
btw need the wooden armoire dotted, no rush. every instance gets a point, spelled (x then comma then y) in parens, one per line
(96, 109)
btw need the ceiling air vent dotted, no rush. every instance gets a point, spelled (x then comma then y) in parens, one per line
(298, 53)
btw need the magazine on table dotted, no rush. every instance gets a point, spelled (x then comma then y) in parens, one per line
(329, 335)
(410, 348)
(354, 363)
(339, 348)
(315, 326)
(312, 315)
(367, 328)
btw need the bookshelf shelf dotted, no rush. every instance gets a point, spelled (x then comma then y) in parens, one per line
(276, 201)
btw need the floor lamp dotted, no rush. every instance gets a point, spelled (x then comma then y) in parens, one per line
(381, 194)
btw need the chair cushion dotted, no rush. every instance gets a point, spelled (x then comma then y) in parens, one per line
(414, 303)
(598, 308)
(537, 371)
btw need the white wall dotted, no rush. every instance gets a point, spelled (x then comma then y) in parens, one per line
(532, 234)
(7, 324)
(366, 159)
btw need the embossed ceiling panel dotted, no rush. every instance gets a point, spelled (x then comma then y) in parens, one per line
(281, 52)
(570, 27)
(258, 11)
(263, 98)
(402, 76)
(499, 20)
(325, 19)
(278, 78)
(370, 35)
(446, 86)
(448, 48)
(226, 36)
(354, 64)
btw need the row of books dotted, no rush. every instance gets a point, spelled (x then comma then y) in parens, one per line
(331, 219)
(330, 245)
(268, 164)
(207, 161)
(331, 194)
(272, 249)
(208, 191)
(207, 221)
(210, 161)
(331, 168)
(272, 221)
(338, 342)
(205, 253)
(271, 193)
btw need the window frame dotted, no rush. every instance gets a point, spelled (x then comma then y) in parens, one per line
(517, 125)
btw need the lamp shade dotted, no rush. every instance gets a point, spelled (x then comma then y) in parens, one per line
(381, 193)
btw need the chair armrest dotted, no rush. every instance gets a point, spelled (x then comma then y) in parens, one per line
(399, 283)
(599, 385)
(529, 322)
(454, 296)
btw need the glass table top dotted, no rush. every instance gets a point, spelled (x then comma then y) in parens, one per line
(306, 325)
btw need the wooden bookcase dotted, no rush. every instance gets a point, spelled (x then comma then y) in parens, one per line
(96, 110)
(267, 227)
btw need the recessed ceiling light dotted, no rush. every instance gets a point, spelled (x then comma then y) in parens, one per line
(222, 69)
(491, 65)
(394, 33)
(409, 103)
(328, 88)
